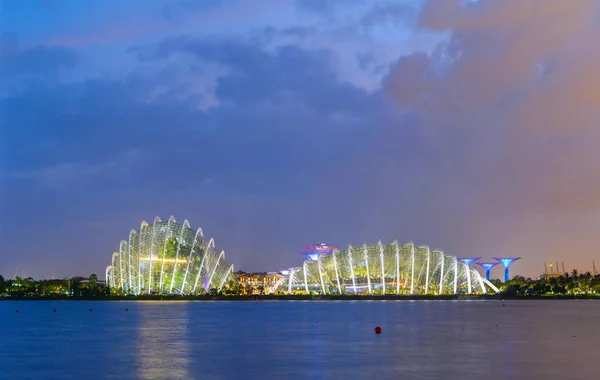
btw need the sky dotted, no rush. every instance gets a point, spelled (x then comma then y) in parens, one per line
(470, 126)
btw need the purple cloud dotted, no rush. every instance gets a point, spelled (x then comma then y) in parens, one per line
(269, 136)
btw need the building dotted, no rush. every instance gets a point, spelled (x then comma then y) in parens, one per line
(382, 269)
(259, 283)
(166, 257)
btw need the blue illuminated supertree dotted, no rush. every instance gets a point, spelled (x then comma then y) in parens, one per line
(487, 267)
(468, 260)
(507, 262)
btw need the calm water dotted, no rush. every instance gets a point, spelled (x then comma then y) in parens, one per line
(300, 340)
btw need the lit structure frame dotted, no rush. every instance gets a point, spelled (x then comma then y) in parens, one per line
(468, 261)
(384, 269)
(168, 258)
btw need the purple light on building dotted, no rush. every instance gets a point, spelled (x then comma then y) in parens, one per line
(312, 252)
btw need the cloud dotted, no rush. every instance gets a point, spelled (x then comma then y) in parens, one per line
(63, 176)
(503, 58)
(32, 64)
(283, 121)
(325, 6)
(289, 73)
(295, 33)
(383, 13)
(177, 11)
(510, 101)
(515, 88)
(276, 133)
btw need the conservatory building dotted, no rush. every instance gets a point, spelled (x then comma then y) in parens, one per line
(382, 269)
(167, 257)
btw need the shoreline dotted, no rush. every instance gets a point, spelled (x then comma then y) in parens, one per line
(304, 298)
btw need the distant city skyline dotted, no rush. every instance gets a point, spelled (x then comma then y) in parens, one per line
(468, 126)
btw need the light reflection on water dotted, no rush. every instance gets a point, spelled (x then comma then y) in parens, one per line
(161, 346)
(300, 340)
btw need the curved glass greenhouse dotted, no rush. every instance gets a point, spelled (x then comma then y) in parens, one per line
(168, 257)
(383, 269)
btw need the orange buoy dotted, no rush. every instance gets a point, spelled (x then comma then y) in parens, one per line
(377, 330)
(16, 311)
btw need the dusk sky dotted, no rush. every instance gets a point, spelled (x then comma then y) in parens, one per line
(470, 126)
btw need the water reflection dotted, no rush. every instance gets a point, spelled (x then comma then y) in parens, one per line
(300, 340)
(162, 350)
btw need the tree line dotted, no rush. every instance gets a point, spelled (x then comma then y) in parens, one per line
(70, 287)
(567, 284)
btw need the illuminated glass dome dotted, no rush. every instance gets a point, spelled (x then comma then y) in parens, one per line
(168, 258)
(383, 269)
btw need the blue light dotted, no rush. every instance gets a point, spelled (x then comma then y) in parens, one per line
(488, 268)
(468, 260)
(507, 262)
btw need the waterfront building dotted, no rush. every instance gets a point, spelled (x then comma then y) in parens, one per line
(167, 257)
(259, 283)
(382, 269)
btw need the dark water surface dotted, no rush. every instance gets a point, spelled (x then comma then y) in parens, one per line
(300, 340)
